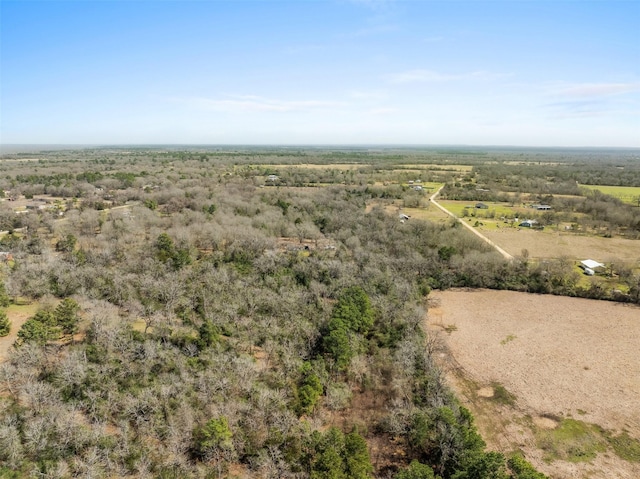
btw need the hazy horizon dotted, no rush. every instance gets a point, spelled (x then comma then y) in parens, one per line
(7, 149)
(560, 74)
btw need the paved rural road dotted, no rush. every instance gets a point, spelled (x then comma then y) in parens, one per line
(468, 226)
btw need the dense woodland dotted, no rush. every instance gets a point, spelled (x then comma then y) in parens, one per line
(196, 319)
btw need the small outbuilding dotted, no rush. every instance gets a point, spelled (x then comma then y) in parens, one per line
(590, 266)
(482, 206)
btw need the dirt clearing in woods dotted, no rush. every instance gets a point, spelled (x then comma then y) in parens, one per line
(18, 315)
(524, 363)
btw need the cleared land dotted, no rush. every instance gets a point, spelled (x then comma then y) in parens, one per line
(552, 244)
(313, 166)
(18, 315)
(628, 194)
(427, 185)
(531, 367)
(430, 213)
(442, 167)
(495, 209)
(408, 168)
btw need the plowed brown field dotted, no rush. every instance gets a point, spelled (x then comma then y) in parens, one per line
(559, 357)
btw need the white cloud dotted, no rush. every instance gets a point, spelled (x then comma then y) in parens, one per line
(577, 109)
(369, 94)
(591, 90)
(586, 100)
(383, 111)
(251, 103)
(374, 30)
(424, 76)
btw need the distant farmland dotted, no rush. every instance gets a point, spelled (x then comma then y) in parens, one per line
(627, 194)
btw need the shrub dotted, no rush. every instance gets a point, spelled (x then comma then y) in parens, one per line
(521, 469)
(4, 297)
(309, 390)
(214, 435)
(416, 470)
(354, 310)
(336, 456)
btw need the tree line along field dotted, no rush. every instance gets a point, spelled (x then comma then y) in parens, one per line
(212, 313)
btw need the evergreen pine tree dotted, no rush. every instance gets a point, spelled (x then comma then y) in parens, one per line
(5, 324)
(66, 316)
(4, 297)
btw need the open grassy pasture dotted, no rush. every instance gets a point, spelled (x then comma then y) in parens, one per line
(542, 244)
(495, 209)
(430, 213)
(555, 377)
(628, 194)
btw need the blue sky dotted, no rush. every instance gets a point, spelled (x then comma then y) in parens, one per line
(529, 73)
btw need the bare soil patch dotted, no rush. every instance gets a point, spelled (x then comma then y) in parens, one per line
(543, 244)
(18, 315)
(545, 422)
(559, 357)
(485, 392)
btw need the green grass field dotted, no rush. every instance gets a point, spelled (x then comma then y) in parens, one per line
(23, 307)
(627, 194)
(430, 214)
(495, 209)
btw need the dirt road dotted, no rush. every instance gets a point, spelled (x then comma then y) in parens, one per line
(469, 227)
